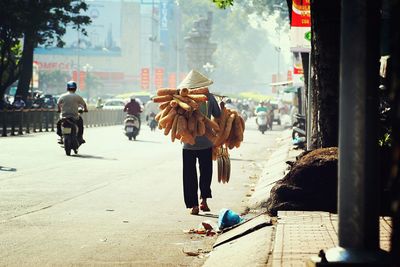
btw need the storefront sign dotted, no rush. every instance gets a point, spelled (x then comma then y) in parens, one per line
(298, 72)
(300, 31)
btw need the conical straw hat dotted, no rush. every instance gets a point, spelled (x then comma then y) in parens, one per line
(194, 80)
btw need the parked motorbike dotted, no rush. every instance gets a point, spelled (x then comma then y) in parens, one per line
(299, 130)
(262, 121)
(69, 130)
(131, 126)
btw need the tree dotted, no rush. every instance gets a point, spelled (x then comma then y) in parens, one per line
(42, 23)
(325, 63)
(233, 33)
(10, 45)
(325, 17)
(53, 81)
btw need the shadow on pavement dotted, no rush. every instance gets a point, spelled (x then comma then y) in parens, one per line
(7, 169)
(249, 160)
(91, 157)
(147, 141)
(210, 215)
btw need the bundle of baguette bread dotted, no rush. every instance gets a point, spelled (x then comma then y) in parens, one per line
(232, 136)
(180, 114)
(181, 118)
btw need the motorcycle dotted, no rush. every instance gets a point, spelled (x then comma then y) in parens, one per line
(244, 115)
(152, 121)
(131, 126)
(69, 130)
(299, 130)
(262, 121)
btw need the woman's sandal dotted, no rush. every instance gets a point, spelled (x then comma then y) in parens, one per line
(204, 207)
(195, 210)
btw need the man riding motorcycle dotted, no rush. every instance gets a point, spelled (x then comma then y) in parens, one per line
(69, 104)
(266, 107)
(134, 108)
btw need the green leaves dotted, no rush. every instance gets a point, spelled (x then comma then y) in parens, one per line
(223, 3)
(38, 22)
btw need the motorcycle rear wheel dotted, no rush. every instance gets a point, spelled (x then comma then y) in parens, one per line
(67, 145)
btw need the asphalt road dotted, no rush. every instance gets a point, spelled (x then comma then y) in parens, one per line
(117, 203)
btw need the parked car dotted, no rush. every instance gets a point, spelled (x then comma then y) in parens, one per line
(45, 101)
(114, 104)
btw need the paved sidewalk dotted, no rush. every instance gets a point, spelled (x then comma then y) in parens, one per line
(300, 235)
(288, 240)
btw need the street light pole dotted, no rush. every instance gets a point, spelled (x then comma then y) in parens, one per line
(87, 68)
(177, 42)
(78, 63)
(152, 76)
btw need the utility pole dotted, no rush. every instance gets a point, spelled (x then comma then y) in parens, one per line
(152, 40)
(178, 16)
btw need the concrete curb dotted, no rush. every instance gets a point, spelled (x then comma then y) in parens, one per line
(250, 243)
(274, 170)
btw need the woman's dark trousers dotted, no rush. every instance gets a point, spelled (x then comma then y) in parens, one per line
(190, 182)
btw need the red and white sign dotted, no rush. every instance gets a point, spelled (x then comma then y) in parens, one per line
(298, 72)
(300, 31)
(159, 77)
(145, 78)
(48, 66)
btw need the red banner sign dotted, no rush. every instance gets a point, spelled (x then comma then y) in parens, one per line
(301, 16)
(300, 31)
(145, 78)
(159, 77)
(81, 80)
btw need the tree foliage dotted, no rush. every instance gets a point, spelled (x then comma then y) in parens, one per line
(238, 44)
(262, 8)
(53, 81)
(223, 3)
(38, 23)
(10, 45)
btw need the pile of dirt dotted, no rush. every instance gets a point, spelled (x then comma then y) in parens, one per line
(311, 183)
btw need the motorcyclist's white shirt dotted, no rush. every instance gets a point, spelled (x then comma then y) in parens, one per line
(70, 103)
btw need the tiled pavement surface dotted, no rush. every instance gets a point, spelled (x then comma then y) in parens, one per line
(301, 234)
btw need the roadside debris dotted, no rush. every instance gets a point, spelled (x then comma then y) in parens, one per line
(207, 228)
(311, 183)
(228, 218)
